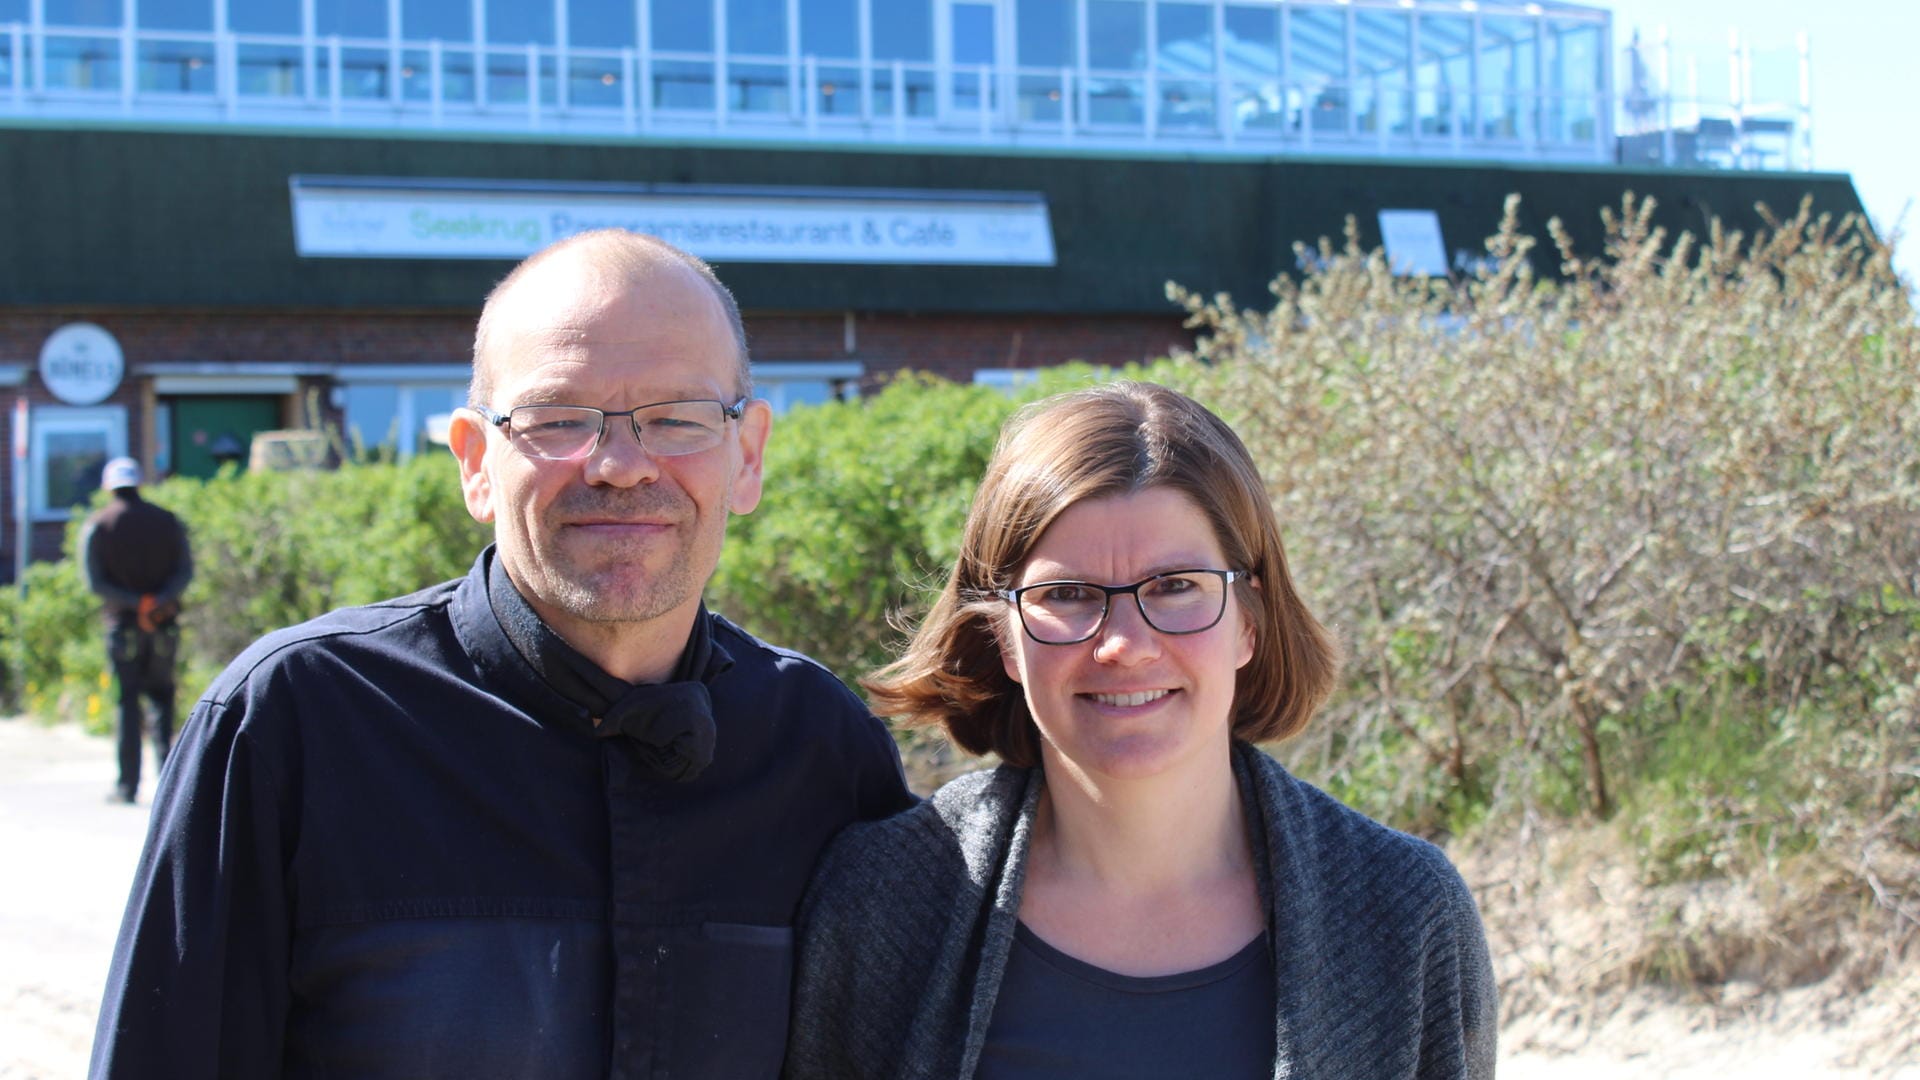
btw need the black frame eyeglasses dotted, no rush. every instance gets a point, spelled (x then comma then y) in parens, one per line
(1175, 602)
(573, 432)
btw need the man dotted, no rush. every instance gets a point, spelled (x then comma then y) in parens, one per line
(552, 819)
(135, 557)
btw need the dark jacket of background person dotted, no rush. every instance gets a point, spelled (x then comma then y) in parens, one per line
(433, 864)
(131, 548)
(1380, 960)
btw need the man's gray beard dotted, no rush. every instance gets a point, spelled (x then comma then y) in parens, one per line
(654, 598)
(583, 600)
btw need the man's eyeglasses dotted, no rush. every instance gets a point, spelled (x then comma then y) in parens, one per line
(1070, 612)
(572, 432)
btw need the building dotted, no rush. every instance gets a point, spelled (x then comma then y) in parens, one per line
(231, 216)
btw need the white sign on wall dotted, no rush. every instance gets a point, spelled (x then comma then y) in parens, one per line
(81, 364)
(1412, 240)
(367, 217)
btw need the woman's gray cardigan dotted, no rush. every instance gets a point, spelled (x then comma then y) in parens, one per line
(1380, 962)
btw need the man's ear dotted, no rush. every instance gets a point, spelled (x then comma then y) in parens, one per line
(755, 423)
(467, 438)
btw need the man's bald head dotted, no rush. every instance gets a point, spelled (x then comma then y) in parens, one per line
(625, 257)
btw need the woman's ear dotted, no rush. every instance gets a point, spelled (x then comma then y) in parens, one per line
(1247, 635)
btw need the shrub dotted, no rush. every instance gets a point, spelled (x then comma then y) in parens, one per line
(270, 549)
(860, 519)
(1650, 526)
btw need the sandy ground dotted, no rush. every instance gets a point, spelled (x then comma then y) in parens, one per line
(71, 855)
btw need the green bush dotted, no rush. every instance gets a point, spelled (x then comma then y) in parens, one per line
(55, 651)
(270, 549)
(860, 518)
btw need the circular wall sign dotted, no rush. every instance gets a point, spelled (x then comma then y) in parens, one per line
(81, 364)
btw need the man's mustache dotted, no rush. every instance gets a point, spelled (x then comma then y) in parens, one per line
(640, 501)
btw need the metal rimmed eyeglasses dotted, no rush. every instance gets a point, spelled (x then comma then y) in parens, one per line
(572, 432)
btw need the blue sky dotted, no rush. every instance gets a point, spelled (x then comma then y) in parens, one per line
(1866, 84)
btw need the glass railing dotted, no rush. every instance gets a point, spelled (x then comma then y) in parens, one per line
(294, 81)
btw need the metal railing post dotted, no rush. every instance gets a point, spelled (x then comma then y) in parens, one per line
(1803, 124)
(436, 82)
(533, 85)
(899, 101)
(226, 71)
(643, 88)
(129, 71)
(1066, 104)
(17, 62)
(333, 76)
(39, 57)
(628, 77)
(986, 96)
(1666, 98)
(812, 109)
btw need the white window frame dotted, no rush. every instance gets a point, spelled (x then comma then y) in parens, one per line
(770, 378)
(109, 421)
(1005, 380)
(409, 383)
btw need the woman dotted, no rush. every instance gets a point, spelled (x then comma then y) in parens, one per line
(1136, 891)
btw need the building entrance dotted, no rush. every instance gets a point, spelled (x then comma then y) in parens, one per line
(209, 431)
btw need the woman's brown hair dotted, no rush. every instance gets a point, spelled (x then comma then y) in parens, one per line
(1111, 440)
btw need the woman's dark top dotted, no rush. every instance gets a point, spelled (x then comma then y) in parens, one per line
(1058, 1016)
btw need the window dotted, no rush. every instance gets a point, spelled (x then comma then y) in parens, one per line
(678, 83)
(1005, 380)
(1252, 50)
(1382, 41)
(75, 58)
(600, 24)
(397, 418)
(1185, 37)
(69, 446)
(1046, 37)
(267, 70)
(830, 28)
(1507, 84)
(512, 22)
(442, 21)
(785, 385)
(1442, 73)
(1045, 42)
(351, 18)
(903, 30)
(1573, 59)
(83, 13)
(1116, 49)
(1317, 66)
(265, 17)
(757, 29)
(176, 15)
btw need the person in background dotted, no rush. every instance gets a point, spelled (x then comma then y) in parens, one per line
(136, 558)
(551, 819)
(1137, 891)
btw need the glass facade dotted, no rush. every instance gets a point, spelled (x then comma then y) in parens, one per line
(1429, 77)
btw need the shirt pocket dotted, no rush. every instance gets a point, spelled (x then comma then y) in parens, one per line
(735, 988)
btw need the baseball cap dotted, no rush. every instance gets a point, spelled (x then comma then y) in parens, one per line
(121, 472)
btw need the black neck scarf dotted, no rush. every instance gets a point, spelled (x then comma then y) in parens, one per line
(669, 725)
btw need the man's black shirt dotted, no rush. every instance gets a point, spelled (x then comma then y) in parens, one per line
(388, 847)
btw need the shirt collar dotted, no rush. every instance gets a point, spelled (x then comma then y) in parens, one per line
(549, 678)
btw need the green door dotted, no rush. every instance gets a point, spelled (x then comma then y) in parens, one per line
(210, 430)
